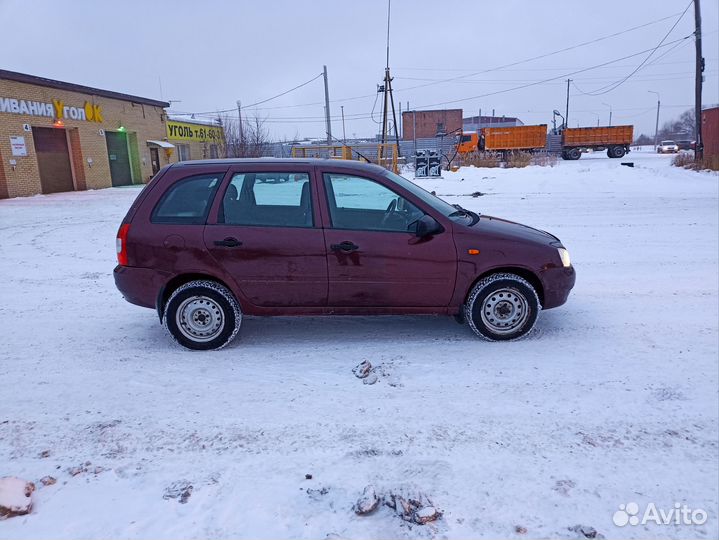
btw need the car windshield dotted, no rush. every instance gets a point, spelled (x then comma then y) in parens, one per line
(668, 142)
(454, 212)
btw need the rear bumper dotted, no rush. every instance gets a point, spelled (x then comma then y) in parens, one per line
(139, 286)
(558, 283)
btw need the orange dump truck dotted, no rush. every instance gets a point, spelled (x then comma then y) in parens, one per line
(502, 139)
(616, 140)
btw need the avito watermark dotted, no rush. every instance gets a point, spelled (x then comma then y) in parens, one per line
(679, 514)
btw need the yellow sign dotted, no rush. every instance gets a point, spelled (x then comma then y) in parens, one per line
(185, 131)
(57, 109)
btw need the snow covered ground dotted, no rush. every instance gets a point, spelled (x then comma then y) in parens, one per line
(612, 400)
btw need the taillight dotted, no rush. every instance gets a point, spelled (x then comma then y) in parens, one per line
(121, 244)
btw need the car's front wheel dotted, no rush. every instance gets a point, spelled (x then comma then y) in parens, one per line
(502, 307)
(202, 315)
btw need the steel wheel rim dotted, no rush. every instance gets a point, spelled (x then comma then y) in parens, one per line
(200, 318)
(504, 311)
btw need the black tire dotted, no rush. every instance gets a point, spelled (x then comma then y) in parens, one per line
(202, 315)
(616, 151)
(502, 307)
(574, 154)
(564, 155)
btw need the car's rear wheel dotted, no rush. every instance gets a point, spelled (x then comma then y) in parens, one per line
(202, 315)
(502, 307)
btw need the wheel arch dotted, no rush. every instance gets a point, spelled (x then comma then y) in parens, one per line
(166, 290)
(524, 273)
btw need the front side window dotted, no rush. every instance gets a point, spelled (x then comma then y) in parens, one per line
(280, 199)
(363, 204)
(187, 201)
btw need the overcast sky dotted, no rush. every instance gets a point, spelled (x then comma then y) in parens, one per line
(209, 54)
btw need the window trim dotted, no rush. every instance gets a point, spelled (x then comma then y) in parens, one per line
(199, 220)
(220, 215)
(325, 179)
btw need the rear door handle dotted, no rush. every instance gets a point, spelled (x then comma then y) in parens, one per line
(346, 246)
(228, 242)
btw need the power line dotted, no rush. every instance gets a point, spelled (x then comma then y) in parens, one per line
(552, 78)
(613, 86)
(433, 82)
(258, 102)
(539, 57)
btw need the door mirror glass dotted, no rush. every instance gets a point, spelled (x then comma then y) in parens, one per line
(427, 226)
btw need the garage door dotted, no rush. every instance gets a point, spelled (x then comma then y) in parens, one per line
(119, 156)
(53, 159)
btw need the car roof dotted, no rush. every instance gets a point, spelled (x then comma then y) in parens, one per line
(318, 162)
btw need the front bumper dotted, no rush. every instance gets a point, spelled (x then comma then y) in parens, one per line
(558, 283)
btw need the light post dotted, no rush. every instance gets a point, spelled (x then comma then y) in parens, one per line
(610, 113)
(344, 137)
(656, 126)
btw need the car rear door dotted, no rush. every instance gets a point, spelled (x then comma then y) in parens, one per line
(264, 231)
(374, 258)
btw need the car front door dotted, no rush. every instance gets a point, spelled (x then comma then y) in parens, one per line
(264, 231)
(374, 258)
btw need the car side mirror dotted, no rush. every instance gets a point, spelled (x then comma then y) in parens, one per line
(427, 226)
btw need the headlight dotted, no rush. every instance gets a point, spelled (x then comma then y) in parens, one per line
(564, 255)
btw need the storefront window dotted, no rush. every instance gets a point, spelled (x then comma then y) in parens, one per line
(183, 152)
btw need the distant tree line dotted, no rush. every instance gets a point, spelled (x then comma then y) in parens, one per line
(681, 128)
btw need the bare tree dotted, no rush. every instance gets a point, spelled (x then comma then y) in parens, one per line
(681, 128)
(250, 141)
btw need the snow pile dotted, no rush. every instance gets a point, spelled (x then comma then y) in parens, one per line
(15, 496)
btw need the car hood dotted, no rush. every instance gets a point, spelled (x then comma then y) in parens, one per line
(513, 230)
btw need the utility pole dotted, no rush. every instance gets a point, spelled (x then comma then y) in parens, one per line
(400, 118)
(239, 118)
(344, 137)
(699, 76)
(566, 112)
(656, 126)
(327, 108)
(414, 130)
(388, 99)
(610, 113)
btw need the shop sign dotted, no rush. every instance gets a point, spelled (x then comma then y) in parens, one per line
(57, 109)
(18, 146)
(185, 131)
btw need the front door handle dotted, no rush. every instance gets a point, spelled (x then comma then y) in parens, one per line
(228, 242)
(345, 246)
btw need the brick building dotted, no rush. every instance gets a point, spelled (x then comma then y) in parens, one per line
(475, 123)
(58, 136)
(431, 123)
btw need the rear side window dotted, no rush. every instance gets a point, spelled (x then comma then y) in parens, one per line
(187, 201)
(279, 199)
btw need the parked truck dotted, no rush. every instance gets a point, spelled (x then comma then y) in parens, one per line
(504, 139)
(615, 139)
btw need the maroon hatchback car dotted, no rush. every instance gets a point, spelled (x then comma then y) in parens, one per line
(208, 241)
